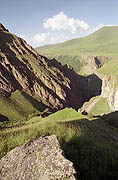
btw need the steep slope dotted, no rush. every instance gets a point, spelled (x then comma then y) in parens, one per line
(109, 75)
(22, 68)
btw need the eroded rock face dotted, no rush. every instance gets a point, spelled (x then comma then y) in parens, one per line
(22, 68)
(2, 28)
(110, 90)
(94, 62)
(41, 159)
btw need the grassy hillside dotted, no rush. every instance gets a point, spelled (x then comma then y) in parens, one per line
(88, 142)
(78, 52)
(74, 61)
(101, 106)
(17, 109)
(22, 68)
(110, 68)
(96, 43)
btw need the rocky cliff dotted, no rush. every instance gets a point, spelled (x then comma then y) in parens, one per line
(91, 63)
(22, 68)
(110, 90)
(40, 159)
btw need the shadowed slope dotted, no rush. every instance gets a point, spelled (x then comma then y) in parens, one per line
(22, 68)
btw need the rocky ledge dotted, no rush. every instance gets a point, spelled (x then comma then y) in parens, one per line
(41, 159)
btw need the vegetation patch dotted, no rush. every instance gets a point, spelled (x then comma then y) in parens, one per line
(17, 109)
(110, 68)
(101, 107)
(87, 142)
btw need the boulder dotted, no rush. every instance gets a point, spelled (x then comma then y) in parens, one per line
(40, 159)
(85, 113)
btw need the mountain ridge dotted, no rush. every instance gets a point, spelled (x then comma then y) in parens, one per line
(103, 30)
(79, 52)
(22, 68)
(27, 79)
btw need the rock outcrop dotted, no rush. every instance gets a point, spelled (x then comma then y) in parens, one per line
(94, 62)
(39, 159)
(110, 90)
(22, 68)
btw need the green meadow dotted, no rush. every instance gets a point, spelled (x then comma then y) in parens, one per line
(86, 140)
(110, 68)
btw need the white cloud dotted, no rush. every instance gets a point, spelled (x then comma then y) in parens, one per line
(62, 22)
(97, 28)
(40, 38)
(58, 38)
(54, 39)
(46, 38)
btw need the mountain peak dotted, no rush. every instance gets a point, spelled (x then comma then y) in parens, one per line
(2, 27)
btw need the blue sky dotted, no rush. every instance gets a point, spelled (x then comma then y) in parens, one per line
(50, 21)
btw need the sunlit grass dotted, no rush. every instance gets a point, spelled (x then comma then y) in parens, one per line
(110, 68)
(80, 138)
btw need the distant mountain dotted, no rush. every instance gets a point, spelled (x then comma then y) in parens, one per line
(95, 42)
(78, 52)
(26, 74)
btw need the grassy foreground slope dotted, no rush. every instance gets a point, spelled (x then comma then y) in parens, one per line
(90, 143)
